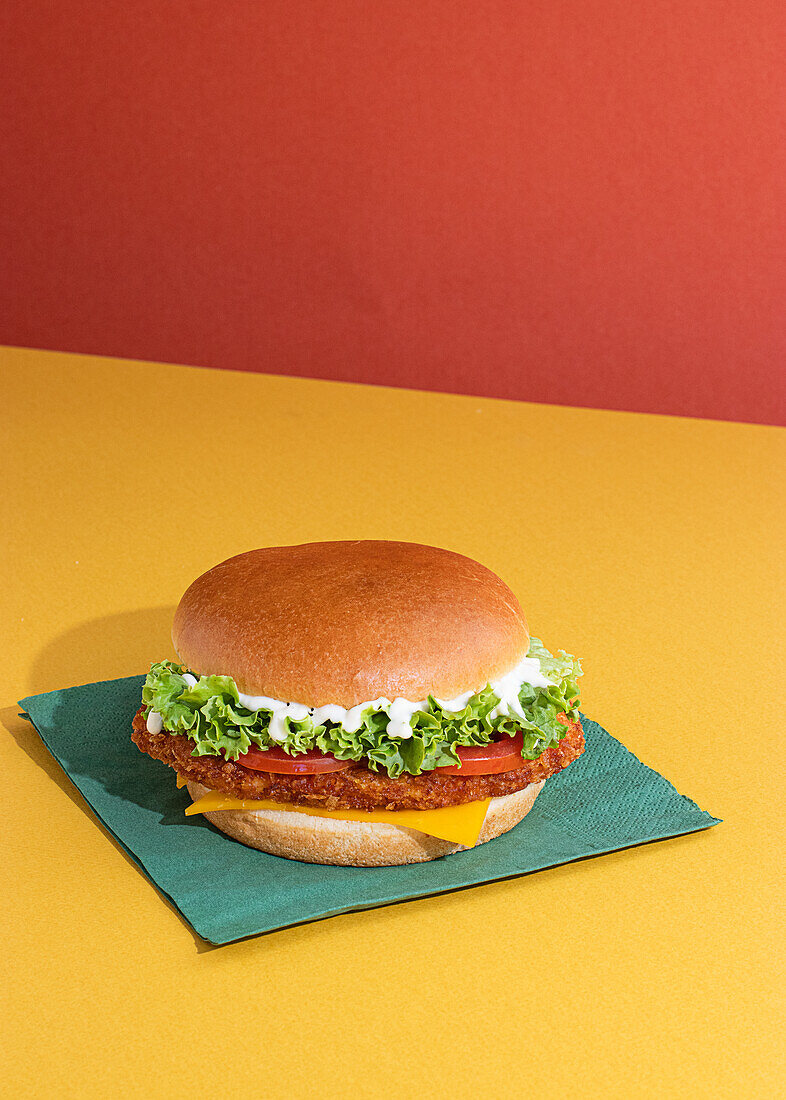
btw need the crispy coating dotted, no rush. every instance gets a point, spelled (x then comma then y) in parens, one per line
(357, 788)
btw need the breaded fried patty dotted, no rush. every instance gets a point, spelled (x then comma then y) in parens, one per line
(357, 788)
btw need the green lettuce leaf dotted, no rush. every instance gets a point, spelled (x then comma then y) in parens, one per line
(211, 715)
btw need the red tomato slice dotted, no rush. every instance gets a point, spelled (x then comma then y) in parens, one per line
(280, 762)
(499, 756)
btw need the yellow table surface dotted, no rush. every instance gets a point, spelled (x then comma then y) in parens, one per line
(651, 546)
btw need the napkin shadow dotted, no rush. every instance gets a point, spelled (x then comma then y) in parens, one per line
(103, 649)
(27, 738)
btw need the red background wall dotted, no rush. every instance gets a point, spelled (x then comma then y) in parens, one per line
(576, 202)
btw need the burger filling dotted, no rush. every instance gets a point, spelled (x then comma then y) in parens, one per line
(189, 716)
(358, 787)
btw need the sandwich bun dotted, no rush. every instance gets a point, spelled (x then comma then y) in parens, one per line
(311, 839)
(348, 622)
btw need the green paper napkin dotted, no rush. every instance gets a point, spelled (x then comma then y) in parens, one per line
(606, 800)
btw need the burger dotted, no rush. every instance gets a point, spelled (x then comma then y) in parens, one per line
(360, 703)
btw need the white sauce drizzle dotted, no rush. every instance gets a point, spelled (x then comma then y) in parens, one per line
(155, 722)
(399, 711)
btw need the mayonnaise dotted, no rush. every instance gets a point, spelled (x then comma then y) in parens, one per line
(155, 722)
(399, 711)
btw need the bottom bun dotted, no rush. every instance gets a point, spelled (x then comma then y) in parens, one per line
(355, 843)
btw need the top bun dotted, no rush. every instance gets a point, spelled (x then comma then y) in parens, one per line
(348, 622)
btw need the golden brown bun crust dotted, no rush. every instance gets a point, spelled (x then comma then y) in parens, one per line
(347, 622)
(355, 843)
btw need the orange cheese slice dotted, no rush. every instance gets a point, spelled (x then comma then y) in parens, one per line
(458, 824)
(180, 780)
